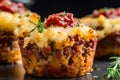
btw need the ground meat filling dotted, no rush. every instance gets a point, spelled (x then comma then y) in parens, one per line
(73, 58)
(79, 56)
(7, 44)
(105, 45)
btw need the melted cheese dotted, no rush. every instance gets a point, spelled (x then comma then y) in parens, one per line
(59, 35)
(8, 21)
(17, 23)
(25, 24)
(109, 25)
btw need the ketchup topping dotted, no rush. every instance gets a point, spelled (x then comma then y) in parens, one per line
(108, 12)
(61, 19)
(8, 5)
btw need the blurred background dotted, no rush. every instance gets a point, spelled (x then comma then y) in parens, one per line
(78, 7)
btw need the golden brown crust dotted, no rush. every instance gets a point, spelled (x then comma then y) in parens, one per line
(72, 61)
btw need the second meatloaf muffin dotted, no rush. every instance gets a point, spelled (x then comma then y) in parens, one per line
(63, 49)
(106, 22)
(14, 23)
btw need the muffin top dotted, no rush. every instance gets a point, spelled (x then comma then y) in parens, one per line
(105, 21)
(59, 28)
(14, 18)
(107, 12)
(12, 7)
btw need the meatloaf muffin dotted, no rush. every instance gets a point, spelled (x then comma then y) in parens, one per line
(14, 23)
(106, 22)
(59, 47)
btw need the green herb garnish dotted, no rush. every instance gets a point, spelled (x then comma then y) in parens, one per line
(64, 13)
(39, 26)
(32, 22)
(113, 26)
(19, 16)
(105, 8)
(27, 15)
(44, 20)
(78, 24)
(113, 71)
(32, 29)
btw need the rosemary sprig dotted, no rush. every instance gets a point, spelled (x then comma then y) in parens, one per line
(39, 26)
(113, 71)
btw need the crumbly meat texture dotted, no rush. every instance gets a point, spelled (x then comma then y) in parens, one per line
(59, 47)
(59, 52)
(108, 46)
(108, 30)
(9, 49)
(72, 61)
